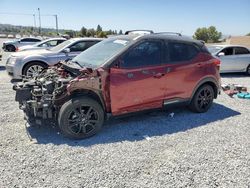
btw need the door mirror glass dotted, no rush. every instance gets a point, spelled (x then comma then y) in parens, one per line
(117, 63)
(221, 54)
(66, 50)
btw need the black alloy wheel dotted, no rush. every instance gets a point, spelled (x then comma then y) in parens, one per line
(203, 99)
(81, 118)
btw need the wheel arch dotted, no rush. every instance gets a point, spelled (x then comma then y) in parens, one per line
(33, 61)
(6, 45)
(89, 93)
(210, 81)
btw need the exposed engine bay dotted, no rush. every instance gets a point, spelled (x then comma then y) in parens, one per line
(42, 96)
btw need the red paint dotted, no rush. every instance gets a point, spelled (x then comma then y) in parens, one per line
(130, 90)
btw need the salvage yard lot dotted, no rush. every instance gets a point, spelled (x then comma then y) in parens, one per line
(148, 150)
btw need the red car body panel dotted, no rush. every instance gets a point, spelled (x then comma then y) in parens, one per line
(147, 87)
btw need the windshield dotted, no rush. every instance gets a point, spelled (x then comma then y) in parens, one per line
(101, 52)
(60, 46)
(214, 49)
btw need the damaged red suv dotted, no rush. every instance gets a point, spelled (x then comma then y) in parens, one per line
(121, 75)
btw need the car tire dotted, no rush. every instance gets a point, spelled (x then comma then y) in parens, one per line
(10, 48)
(80, 118)
(34, 68)
(248, 70)
(202, 99)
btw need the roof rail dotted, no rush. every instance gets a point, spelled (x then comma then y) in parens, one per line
(139, 32)
(169, 33)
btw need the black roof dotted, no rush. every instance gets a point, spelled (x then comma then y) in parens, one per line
(172, 37)
(163, 36)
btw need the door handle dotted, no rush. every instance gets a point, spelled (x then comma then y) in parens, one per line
(168, 69)
(159, 75)
(199, 65)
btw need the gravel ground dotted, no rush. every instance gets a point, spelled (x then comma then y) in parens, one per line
(150, 150)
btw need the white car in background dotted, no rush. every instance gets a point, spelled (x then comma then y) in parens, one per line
(31, 62)
(234, 58)
(45, 44)
(13, 45)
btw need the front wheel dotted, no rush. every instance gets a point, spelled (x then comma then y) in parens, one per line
(203, 99)
(33, 69)
(80, 118)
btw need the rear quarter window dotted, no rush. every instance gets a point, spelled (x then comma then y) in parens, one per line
(241, 50)
(179, 52)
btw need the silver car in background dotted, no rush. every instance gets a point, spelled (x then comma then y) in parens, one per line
(32, 62)
(45, 44)
(233, 58)
(13, 45)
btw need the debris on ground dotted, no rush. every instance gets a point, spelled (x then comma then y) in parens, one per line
(147, 137)
(234, 89)
(243, 95)
(171, 115)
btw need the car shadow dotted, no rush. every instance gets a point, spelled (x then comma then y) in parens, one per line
(234, 75)
(136, 128)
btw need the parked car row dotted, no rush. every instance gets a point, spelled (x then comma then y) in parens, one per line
(31, 62)
(13, 45)
(119, 75)
(233, 58)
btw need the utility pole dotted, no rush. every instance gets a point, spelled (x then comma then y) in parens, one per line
(34, 16)
(39, 20)
(56, 25)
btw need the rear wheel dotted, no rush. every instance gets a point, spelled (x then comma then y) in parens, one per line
(203, 99)
(248, 70)
(33, 69)
(80, 118)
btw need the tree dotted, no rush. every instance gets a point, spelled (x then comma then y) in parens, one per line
(207, 34)
(120, 32)
(213, 34)
(102, 34)
(248, 34)
(98, 29)
(71, 33)
(83, 32)
(91, 32)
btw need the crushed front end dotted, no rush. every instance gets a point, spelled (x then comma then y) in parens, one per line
(41, 97)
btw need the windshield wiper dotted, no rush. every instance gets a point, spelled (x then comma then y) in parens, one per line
(77, 63)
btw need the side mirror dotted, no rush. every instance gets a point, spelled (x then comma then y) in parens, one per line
(117, 63)
(66, 50)
(221, 54)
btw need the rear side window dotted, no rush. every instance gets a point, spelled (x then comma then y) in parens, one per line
(91, 43)
(147, 53)
(81, 46)
(60, 41)
(30, 40)
(179, 52)
(241, 50)
(78, 47)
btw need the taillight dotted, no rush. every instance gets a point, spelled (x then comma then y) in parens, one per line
(216, 62)
(17, 49)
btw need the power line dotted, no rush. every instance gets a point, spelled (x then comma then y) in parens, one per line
(34, 17)
(12, 13)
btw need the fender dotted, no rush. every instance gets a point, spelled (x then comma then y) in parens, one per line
(209, 79)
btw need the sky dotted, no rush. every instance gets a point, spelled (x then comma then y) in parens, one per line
(231, 17)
